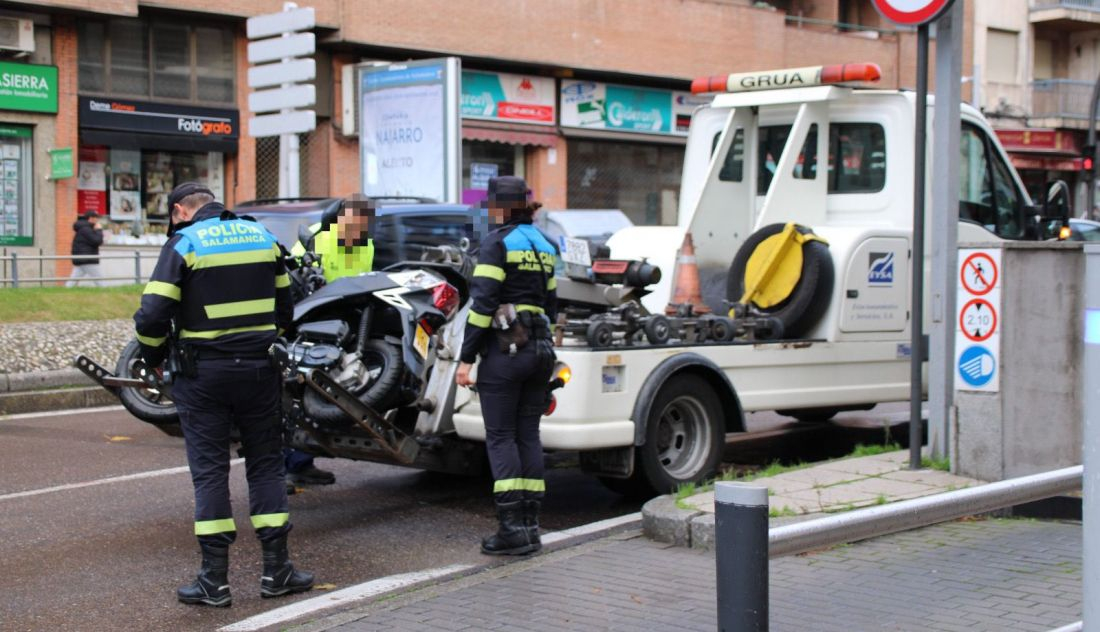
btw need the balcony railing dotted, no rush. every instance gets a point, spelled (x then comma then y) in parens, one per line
(1090, 5)
(1061, 98)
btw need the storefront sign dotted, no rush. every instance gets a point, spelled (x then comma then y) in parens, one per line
(28, 87)
(595, 105)
(91, 182)
(1040, 140)
(61, 163)
(507, 97)
(158, 118)
(409, 132)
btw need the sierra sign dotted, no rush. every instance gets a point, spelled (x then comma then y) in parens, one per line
(28, 87)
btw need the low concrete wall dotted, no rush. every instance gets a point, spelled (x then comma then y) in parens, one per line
(1033, 423)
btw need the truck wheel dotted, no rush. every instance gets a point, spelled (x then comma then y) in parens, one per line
(147, 404)
(684, 436)
(599, 334)
(657, 330)
(721, 329)
(809, 299)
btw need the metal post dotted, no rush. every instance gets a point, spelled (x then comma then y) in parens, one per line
(917, 323)
(944, 224)
(1090, 387)
(741, 555)
(14, 269)
(1090, 193)
(137, 267)
(40, 273)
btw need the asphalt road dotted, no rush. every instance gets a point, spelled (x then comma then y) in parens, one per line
(96, 509)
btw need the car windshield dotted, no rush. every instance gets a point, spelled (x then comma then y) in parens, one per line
(589, 223)
(285, 225)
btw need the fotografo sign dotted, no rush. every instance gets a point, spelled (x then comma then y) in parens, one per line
(28, 87)
(592, 104)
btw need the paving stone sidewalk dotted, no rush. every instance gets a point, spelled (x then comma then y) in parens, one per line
(970, 576)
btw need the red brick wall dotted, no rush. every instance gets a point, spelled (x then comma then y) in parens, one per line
(64, 55)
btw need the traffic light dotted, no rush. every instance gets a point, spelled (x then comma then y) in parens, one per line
(1088, 155)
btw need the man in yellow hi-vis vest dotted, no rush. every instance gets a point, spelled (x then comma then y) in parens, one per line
(345, 248)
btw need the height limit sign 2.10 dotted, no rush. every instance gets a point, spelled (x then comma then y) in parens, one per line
(978, 338)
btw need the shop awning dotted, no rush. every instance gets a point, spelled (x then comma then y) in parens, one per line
(163, 142)
(510, 134)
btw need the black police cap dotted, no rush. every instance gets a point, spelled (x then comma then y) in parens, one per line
(185, 189)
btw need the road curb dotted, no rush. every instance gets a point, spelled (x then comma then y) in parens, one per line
(552, 542)
(663, 521)
(37, 380)
(54, 399)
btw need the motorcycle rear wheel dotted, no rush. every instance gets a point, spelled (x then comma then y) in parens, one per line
(148, 405)
(379, 395)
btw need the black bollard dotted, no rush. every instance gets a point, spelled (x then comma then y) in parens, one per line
(741, 553)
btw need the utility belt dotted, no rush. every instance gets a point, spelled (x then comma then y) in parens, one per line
(190, 355)
(516, 325)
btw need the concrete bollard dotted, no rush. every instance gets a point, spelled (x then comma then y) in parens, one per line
(741, 555)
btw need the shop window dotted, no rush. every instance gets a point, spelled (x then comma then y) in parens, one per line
(642, 180)
(130, 188)
(16, 208)
(483, 160)
(313, 166)
(156, 59)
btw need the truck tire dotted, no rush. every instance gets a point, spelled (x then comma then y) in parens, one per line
(379, 394)
(148, 405)
(684, 438)
(600, 333)
(810, 297)
(657, 330)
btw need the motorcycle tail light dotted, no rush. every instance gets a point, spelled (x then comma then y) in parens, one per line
(445, 299)
(427, 326)
(552, 406)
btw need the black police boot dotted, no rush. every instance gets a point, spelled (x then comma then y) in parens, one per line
(512, 537)
(531, 522)
(211, 587)
(280, 577)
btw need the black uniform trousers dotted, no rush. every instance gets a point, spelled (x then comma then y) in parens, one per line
(226, 392)
(512, 391)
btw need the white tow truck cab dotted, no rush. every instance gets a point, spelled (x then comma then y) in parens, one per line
(833, 158)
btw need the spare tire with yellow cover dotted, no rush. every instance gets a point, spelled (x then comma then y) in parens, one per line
(784, 271)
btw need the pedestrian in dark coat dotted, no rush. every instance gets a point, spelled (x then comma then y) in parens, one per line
(87, 239)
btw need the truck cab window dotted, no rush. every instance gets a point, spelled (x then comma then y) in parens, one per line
(857, 157)
(987, 193)
(733, 164)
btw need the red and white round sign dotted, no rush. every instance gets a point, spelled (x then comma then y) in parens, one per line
(911, 12)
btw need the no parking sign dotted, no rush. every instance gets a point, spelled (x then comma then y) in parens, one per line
(911, 12)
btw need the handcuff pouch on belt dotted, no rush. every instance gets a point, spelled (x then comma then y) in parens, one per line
(512, 335)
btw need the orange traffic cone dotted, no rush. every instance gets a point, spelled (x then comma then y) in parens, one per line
(685, 281)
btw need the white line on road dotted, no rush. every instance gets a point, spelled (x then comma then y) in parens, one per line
(105, 481)
(339, 597)
(60, 413)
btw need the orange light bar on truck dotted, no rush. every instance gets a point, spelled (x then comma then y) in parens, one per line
(787, 78)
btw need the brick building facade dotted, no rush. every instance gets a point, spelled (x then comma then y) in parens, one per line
(637, 48)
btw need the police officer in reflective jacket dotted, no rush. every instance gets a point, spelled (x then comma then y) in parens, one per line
(222, 282)
(513, 303)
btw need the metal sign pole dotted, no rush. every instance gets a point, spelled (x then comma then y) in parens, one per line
(944, 224)
(917, 324)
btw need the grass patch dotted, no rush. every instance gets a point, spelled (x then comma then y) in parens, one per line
(872, 450)
(785, 512)
(39, 304)
(942, 464)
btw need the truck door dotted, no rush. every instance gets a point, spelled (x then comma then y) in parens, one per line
(988, 193)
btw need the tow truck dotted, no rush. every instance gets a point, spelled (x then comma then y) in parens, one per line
(808, 179)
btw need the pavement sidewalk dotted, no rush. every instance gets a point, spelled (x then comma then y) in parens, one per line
(966, 576)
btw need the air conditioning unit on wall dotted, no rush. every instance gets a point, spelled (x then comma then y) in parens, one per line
(16, 34)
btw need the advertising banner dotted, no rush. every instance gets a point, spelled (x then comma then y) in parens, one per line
(28, 87)
(91, 181)
(409, 132)
(595, 105)
(507, 97)
(125, 181)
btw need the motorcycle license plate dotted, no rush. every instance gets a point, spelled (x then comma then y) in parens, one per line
(421, 342)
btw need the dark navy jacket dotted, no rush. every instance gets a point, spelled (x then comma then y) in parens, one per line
(223, 280)
(515, 265)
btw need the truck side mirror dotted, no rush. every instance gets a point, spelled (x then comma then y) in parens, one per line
(1056, 200)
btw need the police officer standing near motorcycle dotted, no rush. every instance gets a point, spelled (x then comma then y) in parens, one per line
(514, 300)
(221, 290)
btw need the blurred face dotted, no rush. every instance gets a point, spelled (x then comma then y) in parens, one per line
(353, 226)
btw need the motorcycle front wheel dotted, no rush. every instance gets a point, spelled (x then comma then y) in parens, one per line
(147, 404)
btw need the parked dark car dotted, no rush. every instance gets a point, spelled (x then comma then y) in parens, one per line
(402, 232)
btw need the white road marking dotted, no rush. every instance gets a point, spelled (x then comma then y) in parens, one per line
(340, 597)
(383, 585)
(105, 481)
(59, 413)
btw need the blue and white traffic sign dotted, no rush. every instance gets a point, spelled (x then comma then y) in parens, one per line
(977, 366)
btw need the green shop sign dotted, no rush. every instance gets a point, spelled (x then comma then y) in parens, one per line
(61, 163)
(28, 87)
